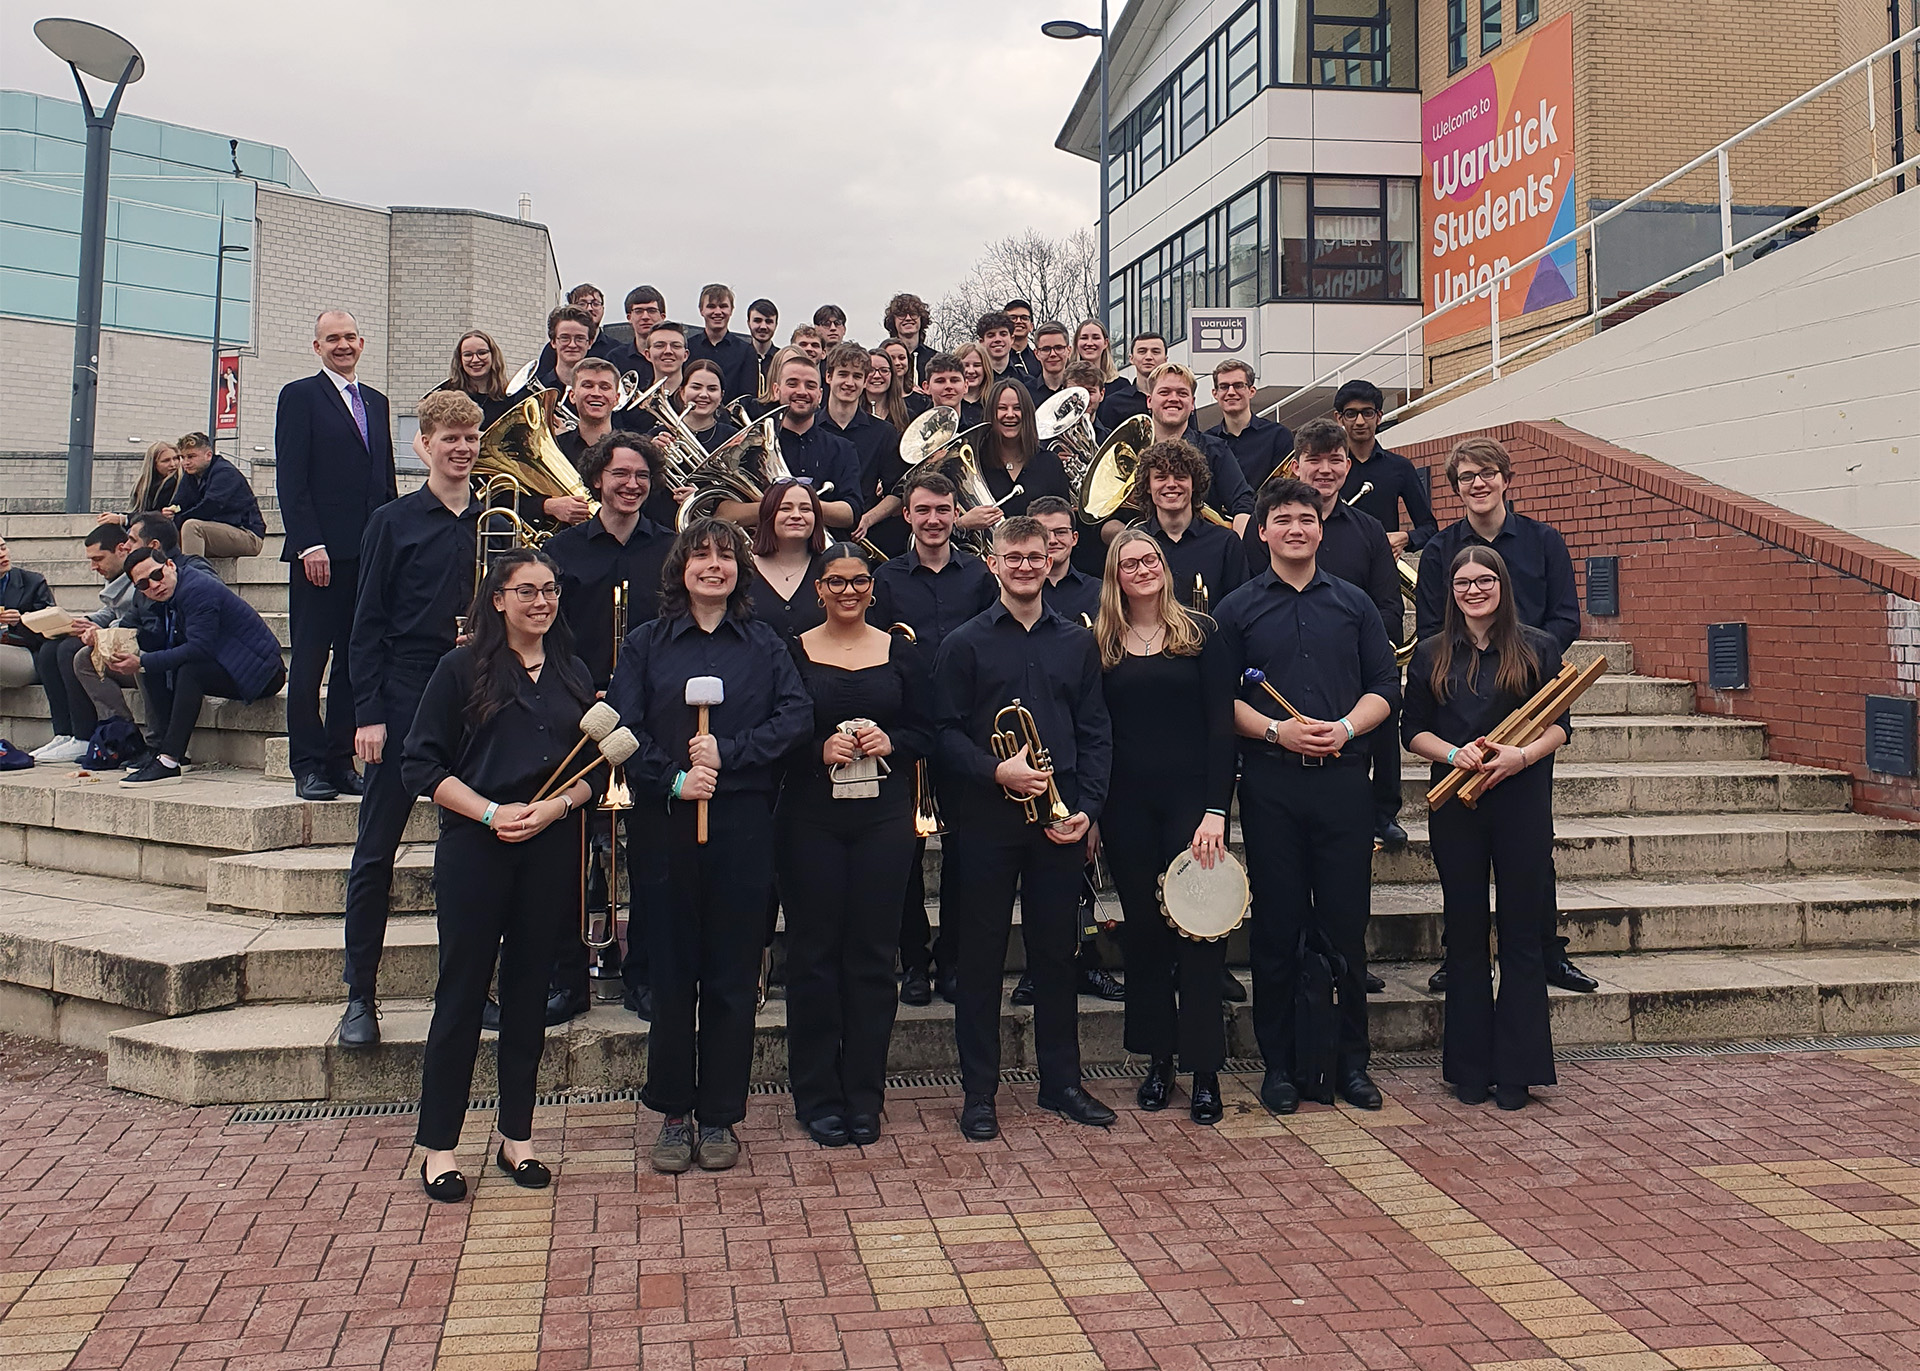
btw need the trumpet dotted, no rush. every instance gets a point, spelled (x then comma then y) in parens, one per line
(1025, 733)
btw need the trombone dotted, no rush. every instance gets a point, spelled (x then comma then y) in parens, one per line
(926, 812)
(1025, 733)
(598, 937)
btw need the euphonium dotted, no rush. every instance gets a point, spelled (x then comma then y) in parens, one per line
(1111, 481)
(1068, 418)
(1025, 733)
(682, 454)
(519, 447)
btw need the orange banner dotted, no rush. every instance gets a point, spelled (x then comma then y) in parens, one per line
(1497, 182)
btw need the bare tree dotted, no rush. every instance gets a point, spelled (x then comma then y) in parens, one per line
(1059, 276)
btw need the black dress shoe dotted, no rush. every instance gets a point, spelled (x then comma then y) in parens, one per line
(863, 1130)
(1392, 837)
(916, 989)
(1470, 1094)
(1278, 1093)
(1231, 990)
(1570, 977)
(1437, 982)
(314, 786)
(449, 1187)
(360, 1025)
(1022, 990)
(1076, 1104)
(948, 985)
(639, 1001)
(490, 1016)
(1102, 985)
(1206, 1098)
(348, 782)
(564, 1005)
(1374, 984)
(1511, 1096)
(1157, 1088)
(1357, 1089)
(829, 1131)
(978, 1121)
(528, 1175)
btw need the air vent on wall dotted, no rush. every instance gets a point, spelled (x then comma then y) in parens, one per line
(1727, 656)
(1603, 587)
(1892, 722)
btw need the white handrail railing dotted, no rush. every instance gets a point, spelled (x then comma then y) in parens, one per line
(1728, 248)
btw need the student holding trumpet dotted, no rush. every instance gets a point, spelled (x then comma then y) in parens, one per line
(489, 732)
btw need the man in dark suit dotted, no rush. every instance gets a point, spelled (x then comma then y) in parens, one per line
(333, 448)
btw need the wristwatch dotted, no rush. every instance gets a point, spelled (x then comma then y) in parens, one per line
(1273, 733)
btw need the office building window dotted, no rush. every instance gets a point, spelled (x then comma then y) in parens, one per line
(1194, 102)
(1525, 12)
(1242, 45)
(1365, 43)
(1489, 25)
(1456, 35)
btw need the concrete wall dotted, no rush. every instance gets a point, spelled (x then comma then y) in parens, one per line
(1796, 380)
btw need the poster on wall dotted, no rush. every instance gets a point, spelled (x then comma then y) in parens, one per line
(1497, 181)
(226, 396)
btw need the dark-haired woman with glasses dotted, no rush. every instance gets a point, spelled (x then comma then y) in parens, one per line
(703, 808)
(1481, 666)
(846, 844)
(1169, 691)
(787, 541)
(495, 721)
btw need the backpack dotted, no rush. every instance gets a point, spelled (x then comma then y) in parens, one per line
(13, 758)
(1316, 1015)
(114, 743)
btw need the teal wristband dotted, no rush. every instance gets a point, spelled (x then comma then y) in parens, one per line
(1452, 752)
(493, 808)
(1348, 725)
(680, 779)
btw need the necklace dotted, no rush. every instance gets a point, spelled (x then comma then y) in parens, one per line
(1146, 640)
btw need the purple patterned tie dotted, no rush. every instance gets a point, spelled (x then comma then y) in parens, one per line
(359, 413)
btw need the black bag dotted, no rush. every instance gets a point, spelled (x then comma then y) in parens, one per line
(1316, 1016)
(113, 744)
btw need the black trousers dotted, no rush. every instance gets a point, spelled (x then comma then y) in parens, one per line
(1383, 744)
(985, 859)
(1510, 836)
(501, 902)
(320, 623)
(705, 952)
(843, 865)
(1173, 982)
(61, 689)
(176, 703)
(384, 809)
(1309, 835)
(920, 949)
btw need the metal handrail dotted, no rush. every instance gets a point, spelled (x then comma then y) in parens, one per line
(1727, 251)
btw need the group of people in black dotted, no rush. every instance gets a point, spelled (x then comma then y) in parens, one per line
(793, 672)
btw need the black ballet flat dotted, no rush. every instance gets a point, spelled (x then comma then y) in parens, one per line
(529, 1175)
(1470, 1094)
(863, 1130)
(830, 1130)
(449, 1187)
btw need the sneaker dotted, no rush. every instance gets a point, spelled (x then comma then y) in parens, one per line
(719, 1149)
(55, 749)
(673, 1149)
(154, 773)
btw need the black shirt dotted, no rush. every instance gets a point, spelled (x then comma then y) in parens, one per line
(789, 618)
(877, 444)
(1228, 492)
(490, 408)
(1354, 547)
(969, 411)
(765, 714)
(739, 364)
(510, 756)
(604, 345)
(629, 358)
(931, 603)
(1054, 670)
(1073, 595)
(897, 695)
(1042, 475)
(1537, 561)
(592, 562)
(828, 460)
(1258, 448)
(1205, 550)
(1475, 703)
(1121, 402)
(416, 580)
(1173, 724)
(1321, 647)
(1396, 481)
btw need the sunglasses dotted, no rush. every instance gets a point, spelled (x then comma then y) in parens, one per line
(144, 582)
(806, 481)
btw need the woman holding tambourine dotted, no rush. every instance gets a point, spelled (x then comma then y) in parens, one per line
(1170, 692)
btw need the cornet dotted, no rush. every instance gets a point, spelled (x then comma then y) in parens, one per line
(1025, 733)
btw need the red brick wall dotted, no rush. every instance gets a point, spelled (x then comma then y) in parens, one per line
(1831, 618)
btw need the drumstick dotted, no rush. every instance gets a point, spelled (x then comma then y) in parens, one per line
(1253, 675)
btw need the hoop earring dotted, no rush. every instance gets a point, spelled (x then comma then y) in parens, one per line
(820, 600)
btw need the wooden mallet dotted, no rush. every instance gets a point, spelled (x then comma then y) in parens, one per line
(600, 719)
(703, 693)
(615, 749)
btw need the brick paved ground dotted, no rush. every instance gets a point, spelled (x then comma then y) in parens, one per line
(1701, 1212)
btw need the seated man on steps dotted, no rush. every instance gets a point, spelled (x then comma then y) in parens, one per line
(203, 640)
(77, 694)
(217, 511)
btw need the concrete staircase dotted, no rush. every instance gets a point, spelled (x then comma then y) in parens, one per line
(194, 934)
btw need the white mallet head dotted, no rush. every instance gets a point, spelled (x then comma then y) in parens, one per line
(618, 746)
(600, 719)
(706, 690)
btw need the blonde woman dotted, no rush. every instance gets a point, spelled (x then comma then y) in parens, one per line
(977, 369)
(1169, 691)
(1090, 344)
(156, 486)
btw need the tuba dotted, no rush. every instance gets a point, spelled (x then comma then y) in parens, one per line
(1111, 482)
(518, 454)
(1025, 733)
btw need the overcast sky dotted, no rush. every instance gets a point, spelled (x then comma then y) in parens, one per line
(809, 152)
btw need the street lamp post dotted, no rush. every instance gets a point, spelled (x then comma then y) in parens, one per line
(105, 56)
(1070, 29)
(219, 298)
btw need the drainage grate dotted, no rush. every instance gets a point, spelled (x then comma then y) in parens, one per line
(296, 1112)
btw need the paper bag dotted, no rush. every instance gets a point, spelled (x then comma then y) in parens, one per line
(109, 643)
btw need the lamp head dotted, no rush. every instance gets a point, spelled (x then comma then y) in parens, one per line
(100, 53)
(1068, 29)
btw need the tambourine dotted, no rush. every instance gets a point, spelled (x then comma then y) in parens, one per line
(1205, 905)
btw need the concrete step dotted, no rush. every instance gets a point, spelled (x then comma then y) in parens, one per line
(287, 1052)
(56, 528)
(1619, 654)
(1663, 738)
(229, 733)
(1590, 788)
(298, 881)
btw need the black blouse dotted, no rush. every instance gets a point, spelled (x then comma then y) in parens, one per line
(511, 755)
(1475, 703)
(788, 618)
(897, 695)
(1173, 723)
(1042, 475)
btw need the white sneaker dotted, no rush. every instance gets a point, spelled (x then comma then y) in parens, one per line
(61, 751)
(45, 751)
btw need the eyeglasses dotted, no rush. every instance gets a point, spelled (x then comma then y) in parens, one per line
(1475, 478)
(526, 595)
(1367, 412)
(145, 582)
(1048, 349)
(1017, 559)
(1133, 566)
(1228, 387)
(840, 585)
(1483, 584)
